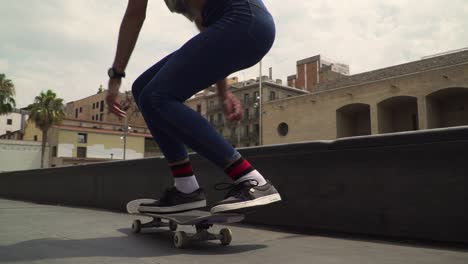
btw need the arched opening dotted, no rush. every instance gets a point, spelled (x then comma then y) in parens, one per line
(353, 120)
(447, 108)
(397, 114)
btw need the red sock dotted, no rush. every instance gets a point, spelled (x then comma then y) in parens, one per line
(238, 169)
(182, 170)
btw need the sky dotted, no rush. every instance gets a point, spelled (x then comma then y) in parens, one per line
(68, 45)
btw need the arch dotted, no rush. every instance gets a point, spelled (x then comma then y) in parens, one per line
(397, 114)
(353, 120)
(447, 107)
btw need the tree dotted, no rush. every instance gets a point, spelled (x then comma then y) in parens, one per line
(46, 111)
(7, 91)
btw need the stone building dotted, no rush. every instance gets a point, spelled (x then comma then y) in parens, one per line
(424, 94)
(94, 109)
(246, 132)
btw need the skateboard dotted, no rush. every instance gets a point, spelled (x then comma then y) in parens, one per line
(202, 221)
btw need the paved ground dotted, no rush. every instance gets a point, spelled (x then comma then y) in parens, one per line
(31, 233)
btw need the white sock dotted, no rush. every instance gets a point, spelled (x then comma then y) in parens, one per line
(186, 184)
(253, 175)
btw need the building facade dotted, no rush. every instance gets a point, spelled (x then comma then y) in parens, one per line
(94, 109)
(79, 142)
(12, 124)
(425, 94)
(246, 132)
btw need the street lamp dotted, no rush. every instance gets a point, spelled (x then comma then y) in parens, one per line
(126, 130)
(260, 121)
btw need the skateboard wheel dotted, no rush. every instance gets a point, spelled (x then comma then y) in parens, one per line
(181, 239)
(136, 226)
(172, 226)
(226, 236)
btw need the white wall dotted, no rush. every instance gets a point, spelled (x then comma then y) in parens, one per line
(15, 126)
(21, 155)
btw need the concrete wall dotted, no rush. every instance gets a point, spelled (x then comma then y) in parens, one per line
(406, 185)
(16, 155)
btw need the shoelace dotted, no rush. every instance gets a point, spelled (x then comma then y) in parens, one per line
(234, 190)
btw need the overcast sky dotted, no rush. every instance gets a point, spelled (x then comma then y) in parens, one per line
(68, 45)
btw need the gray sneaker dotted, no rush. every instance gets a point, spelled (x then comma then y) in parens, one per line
(174, 201)
(244, 195)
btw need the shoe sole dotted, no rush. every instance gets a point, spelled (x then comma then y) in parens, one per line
(272, 198)
(172, 209)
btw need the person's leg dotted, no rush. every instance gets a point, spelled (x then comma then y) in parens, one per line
(173, 149)
(227, 46)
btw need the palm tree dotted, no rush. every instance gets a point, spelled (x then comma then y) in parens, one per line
(7, 91)
(46, 111)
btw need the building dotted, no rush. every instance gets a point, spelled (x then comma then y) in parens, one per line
(315, 70)
(93, 108)
(424, 94)
(78, 142)
(12, 124)
(246, 132)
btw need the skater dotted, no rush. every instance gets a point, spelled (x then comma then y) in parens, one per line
(234, 35)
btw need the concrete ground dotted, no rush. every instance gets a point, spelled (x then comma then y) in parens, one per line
(32, 233)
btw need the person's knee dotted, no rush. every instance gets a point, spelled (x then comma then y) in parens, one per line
(151, 100)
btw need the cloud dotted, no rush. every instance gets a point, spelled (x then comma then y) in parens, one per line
(67, 45)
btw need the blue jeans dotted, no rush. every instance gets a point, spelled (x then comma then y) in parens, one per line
(238, 35)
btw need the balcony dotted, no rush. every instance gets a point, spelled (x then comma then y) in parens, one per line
(214, 108)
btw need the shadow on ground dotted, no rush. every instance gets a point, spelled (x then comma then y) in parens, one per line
(148, 244)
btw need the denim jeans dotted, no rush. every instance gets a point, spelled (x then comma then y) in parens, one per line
(238, 35)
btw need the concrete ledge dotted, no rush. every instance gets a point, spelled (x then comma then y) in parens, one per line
(406, 185)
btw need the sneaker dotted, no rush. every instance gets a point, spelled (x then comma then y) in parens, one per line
(174, 201)
(246, 194)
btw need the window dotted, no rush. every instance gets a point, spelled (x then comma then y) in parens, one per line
(94, 106)
(97, 117)
(92, 118)
(257, 129)
(199, 108)
(247, 131)
(76, 113)
(35, 137)
(289, 95)
(101, 117)
(54, 151)
(256, 96)
(272, 96)
(283, 129)
(97, 105)
(81, 109)
(102, 106)
(233, 132)
(246, 98)
(246, 114)
(220, 118)
(82, 138)
(211, 119)
(81, 152)
(9, 121)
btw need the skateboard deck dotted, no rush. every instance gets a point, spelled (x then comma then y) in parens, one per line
(202, 221)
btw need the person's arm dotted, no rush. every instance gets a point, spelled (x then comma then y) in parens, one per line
(130, 27)
(128, 35)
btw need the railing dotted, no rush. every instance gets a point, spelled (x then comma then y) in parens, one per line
(214, 108)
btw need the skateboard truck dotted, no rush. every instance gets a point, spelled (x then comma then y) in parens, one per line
(182, 239)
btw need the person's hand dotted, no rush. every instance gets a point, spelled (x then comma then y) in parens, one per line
(232, 107)
(112, 97)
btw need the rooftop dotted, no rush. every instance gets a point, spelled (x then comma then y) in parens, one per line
(431, 63)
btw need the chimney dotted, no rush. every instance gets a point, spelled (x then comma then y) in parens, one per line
(271, 73)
